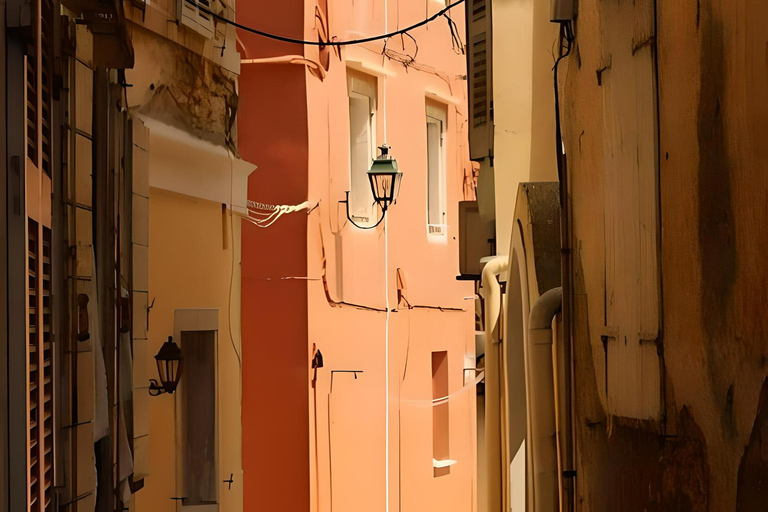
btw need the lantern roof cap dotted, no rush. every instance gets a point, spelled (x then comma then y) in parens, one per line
(169, 351)
(384, 163)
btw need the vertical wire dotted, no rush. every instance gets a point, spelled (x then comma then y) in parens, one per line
(386, 291)
(386, 358)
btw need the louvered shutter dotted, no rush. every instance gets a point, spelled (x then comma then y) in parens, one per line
(479, 78)
(40, 383)
(193, 17)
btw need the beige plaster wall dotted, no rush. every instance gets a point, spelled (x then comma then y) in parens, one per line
(524, 42)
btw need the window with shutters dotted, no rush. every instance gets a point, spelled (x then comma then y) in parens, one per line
(39, 367)
(362, 143)
(31, 103)
(40, 355)
(480, 78)
(436, 130)
(440, 415)
(191, 15)
(46, 85)
(630, 194)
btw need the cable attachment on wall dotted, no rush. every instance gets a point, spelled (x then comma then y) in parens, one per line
(317, 362)
(264, 215)
(333, 372)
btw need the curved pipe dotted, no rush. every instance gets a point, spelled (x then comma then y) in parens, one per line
(314, 67)
(491, 292)
(542, 437)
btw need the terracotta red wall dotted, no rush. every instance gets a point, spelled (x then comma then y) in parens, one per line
(273, 132)
(323, 447)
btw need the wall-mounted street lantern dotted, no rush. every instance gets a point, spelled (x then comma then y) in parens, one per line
(385, 181)
(169, 367)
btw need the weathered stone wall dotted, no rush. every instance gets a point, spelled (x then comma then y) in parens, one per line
(707, 448)
(183, 89)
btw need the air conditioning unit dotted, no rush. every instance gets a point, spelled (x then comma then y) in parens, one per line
(477, 239)
(191, 15)
(562, 10)
(437, 229)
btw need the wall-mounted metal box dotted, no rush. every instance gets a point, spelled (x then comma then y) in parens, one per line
(477, 239)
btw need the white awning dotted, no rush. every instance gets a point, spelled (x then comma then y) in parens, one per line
(183, 163)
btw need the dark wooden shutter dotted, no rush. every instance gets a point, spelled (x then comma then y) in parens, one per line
(38, 170)
(480, 78)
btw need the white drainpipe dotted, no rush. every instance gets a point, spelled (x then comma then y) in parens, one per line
(491, 292)
(542, 437)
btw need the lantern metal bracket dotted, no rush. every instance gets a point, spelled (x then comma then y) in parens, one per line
(349, 217)
(155, 388)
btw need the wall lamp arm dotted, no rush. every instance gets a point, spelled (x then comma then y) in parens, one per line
(155, 389)
(358, 226)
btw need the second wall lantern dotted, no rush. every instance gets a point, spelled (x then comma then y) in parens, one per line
(169, 367)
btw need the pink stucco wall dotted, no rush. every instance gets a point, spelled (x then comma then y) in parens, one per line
(303, 443)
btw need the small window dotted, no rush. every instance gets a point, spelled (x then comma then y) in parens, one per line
(436, 214)
(362, 143)
(440, 433)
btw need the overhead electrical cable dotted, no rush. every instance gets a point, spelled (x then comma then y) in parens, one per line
(222, 19)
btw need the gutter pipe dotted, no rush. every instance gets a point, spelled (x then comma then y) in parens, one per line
(543, 435)
(491, 293)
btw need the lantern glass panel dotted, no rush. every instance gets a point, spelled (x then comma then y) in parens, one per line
(161, 371)
(170, 373)
(385, 186)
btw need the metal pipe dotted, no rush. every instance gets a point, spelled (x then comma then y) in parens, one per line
(566, 43)
(316, 67)
(542, 438)
(491, 293)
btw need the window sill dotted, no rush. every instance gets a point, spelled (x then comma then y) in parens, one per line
(440, 464)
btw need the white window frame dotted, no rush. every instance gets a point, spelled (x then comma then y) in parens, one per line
(362, 86)
(437, 114)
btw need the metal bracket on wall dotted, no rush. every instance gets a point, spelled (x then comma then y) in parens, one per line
(354, 372)
(149, 308)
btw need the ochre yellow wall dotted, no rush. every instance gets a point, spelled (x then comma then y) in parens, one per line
(189, 268)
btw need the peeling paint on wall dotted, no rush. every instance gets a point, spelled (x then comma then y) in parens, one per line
(183, 89)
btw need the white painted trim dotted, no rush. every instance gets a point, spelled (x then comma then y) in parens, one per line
(368, 67)
(195, 320)
(183, 163)
(441, 97)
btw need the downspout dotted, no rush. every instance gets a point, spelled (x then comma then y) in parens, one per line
(542, 437)
(568, 468)
(491, 293)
